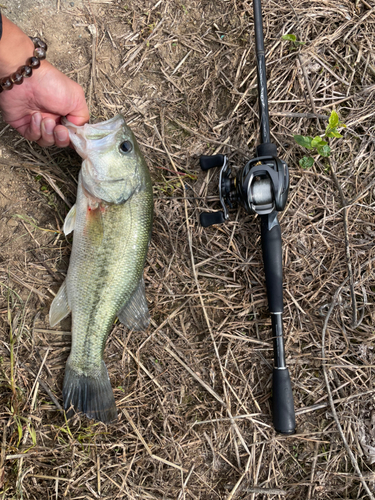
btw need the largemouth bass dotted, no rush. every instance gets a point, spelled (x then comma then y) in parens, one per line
(112, 221)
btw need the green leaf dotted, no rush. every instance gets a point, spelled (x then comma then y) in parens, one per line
(334, 133)
(303, 141)
(341, 125)
(316, 141)
(300, 43)
(306, 162)
(333, 119)
(324, 150)
(291, 38)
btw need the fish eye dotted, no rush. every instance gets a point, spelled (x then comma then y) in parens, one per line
(126, 147)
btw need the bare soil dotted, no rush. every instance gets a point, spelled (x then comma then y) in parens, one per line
(194, 391)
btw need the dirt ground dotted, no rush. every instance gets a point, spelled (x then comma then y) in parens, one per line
(194, 391)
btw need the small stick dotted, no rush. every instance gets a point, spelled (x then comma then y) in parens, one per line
(98, 472)
(312, 486)
(181, 62)
(260, 491)
(94, 33)
(182, 492)
(237, 485)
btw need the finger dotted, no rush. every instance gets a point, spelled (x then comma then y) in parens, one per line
(47, 127)
(80, 115)
(33, 131)
(61, 135)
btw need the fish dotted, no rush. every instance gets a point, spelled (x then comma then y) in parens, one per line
(112, 224)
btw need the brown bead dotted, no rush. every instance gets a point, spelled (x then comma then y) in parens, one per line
(33, 62)
(39, 43)
(35, 40)
(40, 53)
(16, 78)
(43, 45)
(25, 71)
(6, 83)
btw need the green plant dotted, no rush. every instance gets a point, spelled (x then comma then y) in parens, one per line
(293, 39)
(318, 143)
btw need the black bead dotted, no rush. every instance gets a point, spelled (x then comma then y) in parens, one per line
(25, 71)
(33, 62)
(35, 40)
(6, 83)
(40, 53)
(43, 45)
(17, 78)
(38, 43)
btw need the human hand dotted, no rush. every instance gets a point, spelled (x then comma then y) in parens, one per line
(35, 107)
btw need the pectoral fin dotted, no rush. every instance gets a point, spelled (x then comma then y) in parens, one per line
(59, 308)
(94, 225)
(70, 221)
(134, 315)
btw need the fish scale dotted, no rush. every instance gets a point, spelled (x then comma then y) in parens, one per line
(112, 222)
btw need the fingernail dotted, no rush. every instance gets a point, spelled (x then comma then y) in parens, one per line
(61, 135)
(36, 119)
(48, 124)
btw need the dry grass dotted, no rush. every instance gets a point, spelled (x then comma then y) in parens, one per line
(193, 392)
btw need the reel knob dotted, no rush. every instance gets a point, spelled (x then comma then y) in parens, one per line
(210, 218)
(208, 162)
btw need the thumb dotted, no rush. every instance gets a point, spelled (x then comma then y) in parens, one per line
(77, 119)
(80, 114)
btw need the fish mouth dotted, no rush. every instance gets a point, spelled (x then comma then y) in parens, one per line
(94, 137)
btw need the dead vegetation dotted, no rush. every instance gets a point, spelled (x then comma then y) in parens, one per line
(193, 392)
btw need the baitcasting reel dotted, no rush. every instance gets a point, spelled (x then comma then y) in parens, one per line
(261, 187)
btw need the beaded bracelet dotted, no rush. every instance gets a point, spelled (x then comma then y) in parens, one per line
(27, 70)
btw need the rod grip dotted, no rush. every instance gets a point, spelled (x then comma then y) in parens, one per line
(272, 259)
(284, 419)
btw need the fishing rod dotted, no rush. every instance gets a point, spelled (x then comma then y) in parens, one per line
(261, 187)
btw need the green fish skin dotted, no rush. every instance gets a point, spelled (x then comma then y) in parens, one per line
(112, 223)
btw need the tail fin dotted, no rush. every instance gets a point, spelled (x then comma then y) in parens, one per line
(91, 394)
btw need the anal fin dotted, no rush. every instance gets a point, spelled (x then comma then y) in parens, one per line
(60, 307)
(134, 314)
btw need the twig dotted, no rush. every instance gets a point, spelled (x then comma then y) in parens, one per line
(94, 33)
(260, 491)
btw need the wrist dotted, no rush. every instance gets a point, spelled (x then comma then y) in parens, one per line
(15, 48)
